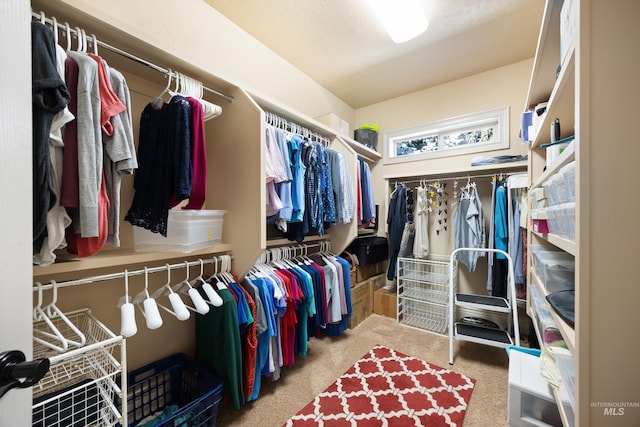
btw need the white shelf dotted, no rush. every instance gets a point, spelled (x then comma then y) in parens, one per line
(547, 55)
(116, 258)
(560, 242)
(567, 156)
(560, 104)
(567, 332)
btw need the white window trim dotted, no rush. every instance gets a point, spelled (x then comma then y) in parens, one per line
(500, 116)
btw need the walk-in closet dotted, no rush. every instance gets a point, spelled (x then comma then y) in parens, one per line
(281, 213)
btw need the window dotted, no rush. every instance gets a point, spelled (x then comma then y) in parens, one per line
(487, 130)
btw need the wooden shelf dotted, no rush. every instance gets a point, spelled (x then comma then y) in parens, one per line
(119, 259)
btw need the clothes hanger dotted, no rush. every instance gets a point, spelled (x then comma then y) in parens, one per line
(78, 39)
(200, 305)
(54, 21)
(54, 335)
(212, 295)
(151, 313)
(53, 312)
(68, 34)
(178, 309)
(95, 44)
(158, 101)
(128, 326)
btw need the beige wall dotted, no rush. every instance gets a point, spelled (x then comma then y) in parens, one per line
(196, 33)
(505, 86)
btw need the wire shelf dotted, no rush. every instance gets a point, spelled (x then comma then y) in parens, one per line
(423, 315)
(423, 292)
(82, 383)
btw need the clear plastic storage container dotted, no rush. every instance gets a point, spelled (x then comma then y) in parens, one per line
(556, 269)
(187, 230)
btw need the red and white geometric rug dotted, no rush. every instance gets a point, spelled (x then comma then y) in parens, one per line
(388, 388)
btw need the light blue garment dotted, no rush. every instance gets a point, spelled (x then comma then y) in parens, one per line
(500, 221)
(298, 170)
(468, 225)
(284, 187)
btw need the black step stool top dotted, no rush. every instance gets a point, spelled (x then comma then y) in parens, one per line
(497, 335)
(482, 299)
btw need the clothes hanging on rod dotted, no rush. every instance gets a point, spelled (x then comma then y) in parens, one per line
(366, 201)
(297, 296)
(469, 225)
(77, 32)
(307, 183)
(82, 169)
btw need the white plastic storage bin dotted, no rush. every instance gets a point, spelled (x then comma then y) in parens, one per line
(531, 402)
(187, 231)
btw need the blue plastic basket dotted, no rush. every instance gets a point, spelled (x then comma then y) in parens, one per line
(175, 381)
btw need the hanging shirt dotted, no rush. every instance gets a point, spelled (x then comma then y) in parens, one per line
(501, 228)
(219, 347)
(275, 171)
(120, 153)
(198, 156)
(157, 181)
(468, 222)
(90, 149)
(57, 218)
(49, 96)
(421, 224)
(298, 170)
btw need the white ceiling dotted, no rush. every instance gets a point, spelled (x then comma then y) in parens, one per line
(341, 45)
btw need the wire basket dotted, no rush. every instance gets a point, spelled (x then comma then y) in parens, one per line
(82, 383)
(423, 315)
(174, 391)
(423, 292)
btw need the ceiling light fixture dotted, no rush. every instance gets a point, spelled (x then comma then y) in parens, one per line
(403, 19)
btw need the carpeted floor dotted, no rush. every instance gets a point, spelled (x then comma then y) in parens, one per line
(330, 357)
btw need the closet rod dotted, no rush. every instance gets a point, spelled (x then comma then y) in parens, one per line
(282, 123)
(127, 55)
(120, 275)
(451, 178)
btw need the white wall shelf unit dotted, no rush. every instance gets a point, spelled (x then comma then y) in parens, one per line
(594, 97)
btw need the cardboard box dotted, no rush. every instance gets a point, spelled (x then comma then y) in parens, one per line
(375, 283)
(385, 302)
(364, 272)
(360, 303)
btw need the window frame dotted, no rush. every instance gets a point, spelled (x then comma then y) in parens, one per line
(498, 117)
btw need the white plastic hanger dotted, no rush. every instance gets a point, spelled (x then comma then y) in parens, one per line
(95, 44)
(150, 312)
(200, 305)
(68, 34)
(158, 101)
(212, 295)
(79, 39)
(178, 308)
(55, 29)
(53, 334)
(128, 326)
(53, 312)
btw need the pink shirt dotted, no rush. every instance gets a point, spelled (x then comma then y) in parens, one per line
(198, 156)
